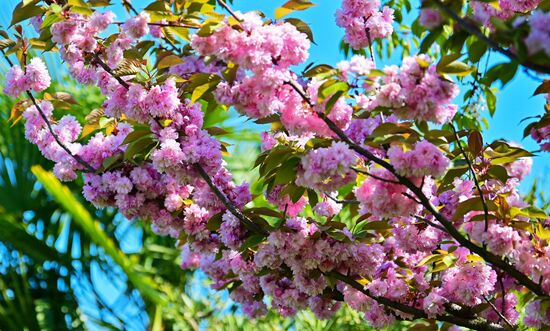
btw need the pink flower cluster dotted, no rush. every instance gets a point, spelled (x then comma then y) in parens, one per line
(538, 39)
(424, 159)
(357, 66)
(542, 136)
(506, 9)
(35, 77)
(327, 169)
(295, 261)
(467, 283)
(137, 26)
(76, 36)
(67, 130)
(364, 21)
(380, 196)
(417, 92)
(430, 18)
(255, 46)
(267, 51)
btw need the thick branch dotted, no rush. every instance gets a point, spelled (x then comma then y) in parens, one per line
(248, 223)
(106, 68)
(425, 201)
(474, 323)
(493, 44)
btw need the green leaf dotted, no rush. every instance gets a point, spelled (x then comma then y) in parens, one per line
(169, 61)
(139, 146)
(491, 100)
(535, 212)
(330, 87)
(286, 173)
(473, 204)
(312, 197)
(475, 143)
(455, 68)
(14, 233)
(92, 228)
(332, 101)
(377, 226)
(201, 90)
(157, 6)
(21, 12)
(302, 27)
(252, 241)
(5, 43)
(291, 6)
(317, 70)
(476, 50)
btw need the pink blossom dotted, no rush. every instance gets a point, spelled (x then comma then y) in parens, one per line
(424, 159)
(35, 77)
(327, 169)
(467, 283)
(430, 18)
(137, 26)
(364, 21)
(382, 198)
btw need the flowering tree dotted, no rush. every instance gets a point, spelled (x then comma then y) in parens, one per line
(374, 189)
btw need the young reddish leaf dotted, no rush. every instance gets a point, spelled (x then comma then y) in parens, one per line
(543, 88)
(475, 143)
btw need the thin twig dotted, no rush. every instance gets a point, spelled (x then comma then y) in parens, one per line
(230, 11)
(370, 46)
(175, 25)
(129, 4)
(430, 223)
(248, 223)
(502, 317)
(108, 69)
(411, 197)
(375, 177)
(493, 44)
(425, 201)
(77, 158)
(352, 202)
(474, 176)
(50, 128)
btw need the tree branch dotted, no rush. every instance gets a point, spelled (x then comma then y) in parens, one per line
(375, 177)
(248, 223)
(77, 158)
(475, 323)
(493, 44)
(230, 11)
(502, 317)
(474, 177)
(108, 69)
(425, 201)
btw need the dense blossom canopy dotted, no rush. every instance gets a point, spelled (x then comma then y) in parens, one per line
(369, 193)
